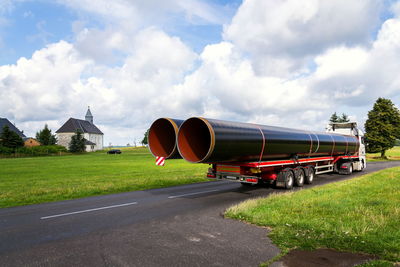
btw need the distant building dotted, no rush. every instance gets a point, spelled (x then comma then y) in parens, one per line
(93, 136)
(30, 142)
(4, 122)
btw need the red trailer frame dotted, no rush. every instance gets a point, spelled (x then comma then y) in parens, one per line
(282, 173)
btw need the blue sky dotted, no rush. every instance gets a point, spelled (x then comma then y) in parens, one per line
(31, 25)
(286, 63)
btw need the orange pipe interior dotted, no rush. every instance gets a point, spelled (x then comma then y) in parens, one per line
(194, 140)
(162, 138)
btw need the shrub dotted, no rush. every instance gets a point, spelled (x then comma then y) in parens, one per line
(6, 150)
(34, 151)
(41, 150)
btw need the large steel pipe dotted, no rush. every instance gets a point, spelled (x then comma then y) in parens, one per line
(162, 138)
(208, 140)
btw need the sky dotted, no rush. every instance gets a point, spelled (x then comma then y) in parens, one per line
(275, 62)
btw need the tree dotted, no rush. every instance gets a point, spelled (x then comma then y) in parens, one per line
(382, 126)
(77, 143)
(45, 137)
(10, 138)
(344, 118)
(334, 118)
(145, 140)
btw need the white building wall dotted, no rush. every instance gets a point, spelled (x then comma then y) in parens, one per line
(63, 139)
(97, 139)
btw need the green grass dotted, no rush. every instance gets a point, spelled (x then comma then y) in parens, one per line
(376, 263)
(43, 179)
(391, 154)
(358, 215)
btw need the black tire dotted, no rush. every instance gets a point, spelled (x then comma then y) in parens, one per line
(288, 178)
(299, 177)
(310, 175)
(350, 168)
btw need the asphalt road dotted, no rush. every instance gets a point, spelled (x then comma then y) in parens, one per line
(175, 226)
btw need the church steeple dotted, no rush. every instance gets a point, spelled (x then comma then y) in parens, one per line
(89, 116)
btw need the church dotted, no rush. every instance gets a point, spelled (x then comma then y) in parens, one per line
(93, 136)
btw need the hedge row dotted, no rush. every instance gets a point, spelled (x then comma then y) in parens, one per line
(33, 151)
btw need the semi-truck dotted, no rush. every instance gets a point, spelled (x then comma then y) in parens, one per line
(257, 154)
(286, 173)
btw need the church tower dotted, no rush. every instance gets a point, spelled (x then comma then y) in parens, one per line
(89, 116)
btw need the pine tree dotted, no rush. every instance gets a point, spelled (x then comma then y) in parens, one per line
(334, 118)
(344, 118)
(77, 143)
(45, 137)
(145, 140)
(382, 126)
(10, 139)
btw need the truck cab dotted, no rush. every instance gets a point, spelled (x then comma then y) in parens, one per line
(350, 128)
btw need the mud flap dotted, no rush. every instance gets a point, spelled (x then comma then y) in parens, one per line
(280, 180)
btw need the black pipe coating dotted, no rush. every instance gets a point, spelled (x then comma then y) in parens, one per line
(209, 141)
(162, 138)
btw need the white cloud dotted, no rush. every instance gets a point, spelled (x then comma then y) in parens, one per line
(58, 82)
(136, 14)
(340, 60)
(36, 88)
(286, 63)
(357, 76)
(289, 32)
(395, 8)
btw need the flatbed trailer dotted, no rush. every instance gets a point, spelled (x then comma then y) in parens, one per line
(285, 173)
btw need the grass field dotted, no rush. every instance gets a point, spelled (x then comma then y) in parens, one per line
(392, 154)
(359, 215)
(42, 179)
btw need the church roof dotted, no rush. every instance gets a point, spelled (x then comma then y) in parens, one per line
(72, 125)
(4, 121)
(89, 143)
(88, 113)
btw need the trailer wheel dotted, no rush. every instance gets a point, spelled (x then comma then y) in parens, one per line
(310, 175)
(288, 178)
(299, 177)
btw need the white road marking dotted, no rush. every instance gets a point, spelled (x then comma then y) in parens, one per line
(89, 210)
(190, 194)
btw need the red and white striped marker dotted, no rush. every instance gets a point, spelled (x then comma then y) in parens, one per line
(160, 161)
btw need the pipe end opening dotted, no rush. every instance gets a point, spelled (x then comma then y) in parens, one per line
(162, 138)
(195, 140)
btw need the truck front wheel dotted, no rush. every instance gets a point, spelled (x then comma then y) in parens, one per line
(350, 168)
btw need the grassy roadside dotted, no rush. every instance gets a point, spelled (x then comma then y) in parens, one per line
(357, 215)
(43, 179)
(392, 154)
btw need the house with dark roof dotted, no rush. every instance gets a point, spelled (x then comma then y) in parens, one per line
(93, 136)
(4, 122)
